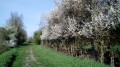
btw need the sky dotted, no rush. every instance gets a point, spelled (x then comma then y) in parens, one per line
(31, 10)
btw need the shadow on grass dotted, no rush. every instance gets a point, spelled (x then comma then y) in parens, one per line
(24, 44)
(11, 61)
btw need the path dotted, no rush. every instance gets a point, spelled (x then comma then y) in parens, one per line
(30, 60)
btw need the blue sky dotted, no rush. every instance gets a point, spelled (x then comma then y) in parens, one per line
(31, 10)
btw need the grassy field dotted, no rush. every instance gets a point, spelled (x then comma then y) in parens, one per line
(44, 57)
(50, 58)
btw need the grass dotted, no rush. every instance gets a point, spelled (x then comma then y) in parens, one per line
(5, 57)
(50, 58)
(46, 57)
(19, 52)
(21, 55)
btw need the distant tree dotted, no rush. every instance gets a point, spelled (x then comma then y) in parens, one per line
(16, 28)
(36, 37)
(30, 40)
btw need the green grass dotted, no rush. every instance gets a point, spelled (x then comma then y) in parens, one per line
(5, 57)
(50, 58)
(21, 55)
(46, 57)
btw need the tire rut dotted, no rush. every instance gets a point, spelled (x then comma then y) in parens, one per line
(30, 59)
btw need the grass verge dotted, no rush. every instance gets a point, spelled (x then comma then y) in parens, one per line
(50, 58)
(46, 57)
(21, 55)
(5, 57)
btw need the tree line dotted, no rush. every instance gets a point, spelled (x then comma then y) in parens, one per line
(85, 28)
(14, 33)
(36, 38)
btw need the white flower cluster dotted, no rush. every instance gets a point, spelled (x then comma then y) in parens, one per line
(81, 18)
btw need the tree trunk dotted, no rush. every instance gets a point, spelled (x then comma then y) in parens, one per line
(112, 59)
(102, 52)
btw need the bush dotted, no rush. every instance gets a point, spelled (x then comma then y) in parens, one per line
(36, 37)
(3, 48)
